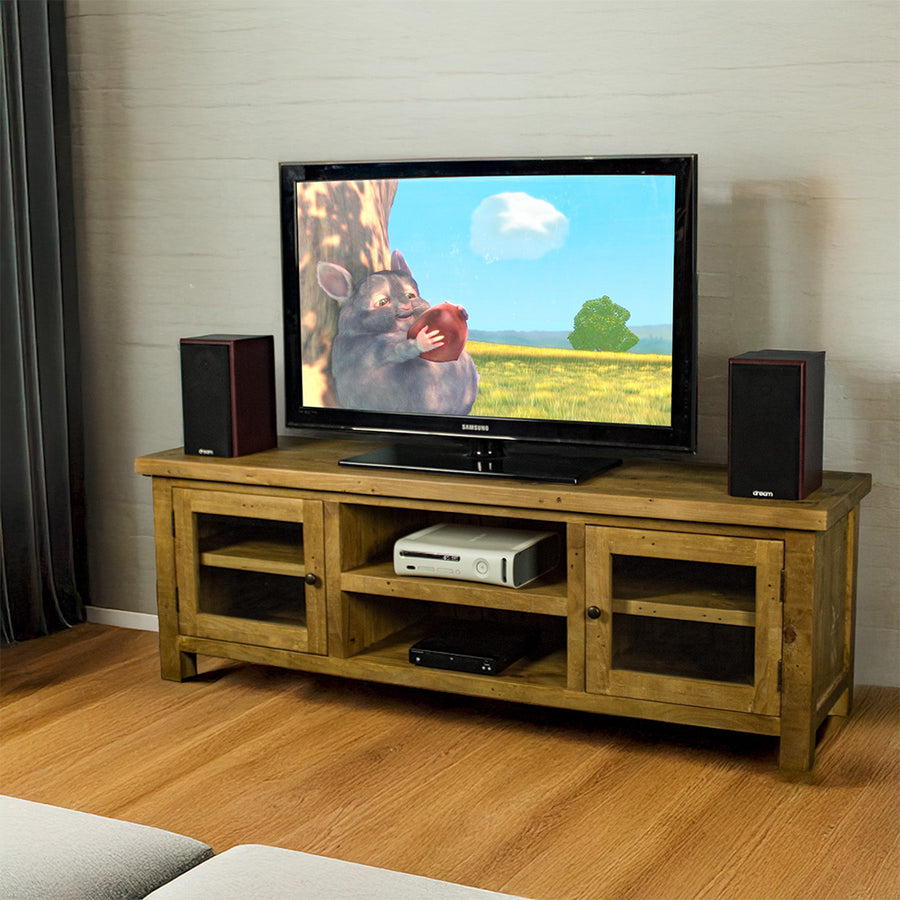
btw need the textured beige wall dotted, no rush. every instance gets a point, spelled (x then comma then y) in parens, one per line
(182, 111)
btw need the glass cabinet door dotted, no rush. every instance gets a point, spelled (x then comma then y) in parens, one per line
(684, 618)
(249, 569)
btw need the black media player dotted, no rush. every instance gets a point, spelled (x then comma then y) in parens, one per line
(482, 648)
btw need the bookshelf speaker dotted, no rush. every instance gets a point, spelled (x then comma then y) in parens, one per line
(228, 394)
(775, 423)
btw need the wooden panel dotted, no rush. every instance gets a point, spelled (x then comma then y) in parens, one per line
(797, 706)
(314, 584)
(241, 578)
(253, 506)
(336, 600)
(187, 562)
(174, 664)
(819, 587)
(292, 636)
(844, 705)
(705, 548)
(674, 689)
(648, 489)
(599, 595)
(576, 584)
(770, 564)
(830, 618)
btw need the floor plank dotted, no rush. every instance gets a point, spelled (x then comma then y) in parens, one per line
(542, 803)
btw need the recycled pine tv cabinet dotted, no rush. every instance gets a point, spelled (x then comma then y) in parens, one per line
(672, 600)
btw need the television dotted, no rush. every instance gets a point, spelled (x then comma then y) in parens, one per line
(519, 318)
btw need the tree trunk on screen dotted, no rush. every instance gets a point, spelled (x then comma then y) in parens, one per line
(344, 223)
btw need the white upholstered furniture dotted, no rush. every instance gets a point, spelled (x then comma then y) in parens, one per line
(50, 852)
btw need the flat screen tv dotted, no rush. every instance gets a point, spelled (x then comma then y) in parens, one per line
(529, 318)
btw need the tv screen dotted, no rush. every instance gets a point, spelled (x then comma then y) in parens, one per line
(526, 305)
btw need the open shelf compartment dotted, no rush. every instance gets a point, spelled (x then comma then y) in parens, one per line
(368, 537)
(382, 630)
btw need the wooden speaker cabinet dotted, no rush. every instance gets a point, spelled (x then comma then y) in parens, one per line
(228, 394)
(776, 402)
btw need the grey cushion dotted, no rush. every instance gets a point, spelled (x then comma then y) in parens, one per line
(46, 851)
(271, 873)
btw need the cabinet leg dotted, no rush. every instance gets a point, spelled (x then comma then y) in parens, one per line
(844, 705)
(175, 665)
(797, 747)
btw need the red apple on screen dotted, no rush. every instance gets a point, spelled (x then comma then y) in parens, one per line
(450, 320)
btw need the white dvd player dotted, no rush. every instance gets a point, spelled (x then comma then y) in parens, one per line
(507, 556)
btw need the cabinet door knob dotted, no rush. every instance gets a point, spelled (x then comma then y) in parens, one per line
(594, 612)
(310, 578)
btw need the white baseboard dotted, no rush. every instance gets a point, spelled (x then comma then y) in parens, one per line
(122, 618)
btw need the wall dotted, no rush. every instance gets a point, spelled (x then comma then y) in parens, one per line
(183, 110)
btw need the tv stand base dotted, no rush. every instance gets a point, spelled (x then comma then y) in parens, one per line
(671, 601)
(485, 458)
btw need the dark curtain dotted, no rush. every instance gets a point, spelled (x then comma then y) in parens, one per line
(44, 566)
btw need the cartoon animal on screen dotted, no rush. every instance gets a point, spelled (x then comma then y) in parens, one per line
(385, 356)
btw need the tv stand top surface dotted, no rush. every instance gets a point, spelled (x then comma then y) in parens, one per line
(652, 489)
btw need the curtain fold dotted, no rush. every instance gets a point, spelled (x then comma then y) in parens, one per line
(42, 534)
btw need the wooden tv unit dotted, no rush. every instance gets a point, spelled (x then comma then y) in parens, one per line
(672, 601)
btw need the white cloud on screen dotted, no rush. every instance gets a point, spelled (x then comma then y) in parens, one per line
(516, 225)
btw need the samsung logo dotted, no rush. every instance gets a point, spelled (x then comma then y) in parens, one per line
(763, 494)
(468, 427)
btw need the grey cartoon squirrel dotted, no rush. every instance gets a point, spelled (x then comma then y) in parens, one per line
(375, 364)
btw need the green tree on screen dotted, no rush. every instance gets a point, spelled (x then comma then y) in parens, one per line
(600, 325)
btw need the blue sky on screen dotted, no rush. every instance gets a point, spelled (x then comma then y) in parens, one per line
(525, 253)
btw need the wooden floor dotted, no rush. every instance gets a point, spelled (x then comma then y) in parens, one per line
(541, 803)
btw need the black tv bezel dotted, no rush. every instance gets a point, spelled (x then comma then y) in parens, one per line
(624, 439)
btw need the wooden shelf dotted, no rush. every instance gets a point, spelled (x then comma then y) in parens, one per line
(545, 669)
(686, 590)
(276, 557)
(690, 607)
(546, 595)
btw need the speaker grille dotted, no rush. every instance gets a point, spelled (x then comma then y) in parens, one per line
(766, 430)
(206, 399)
